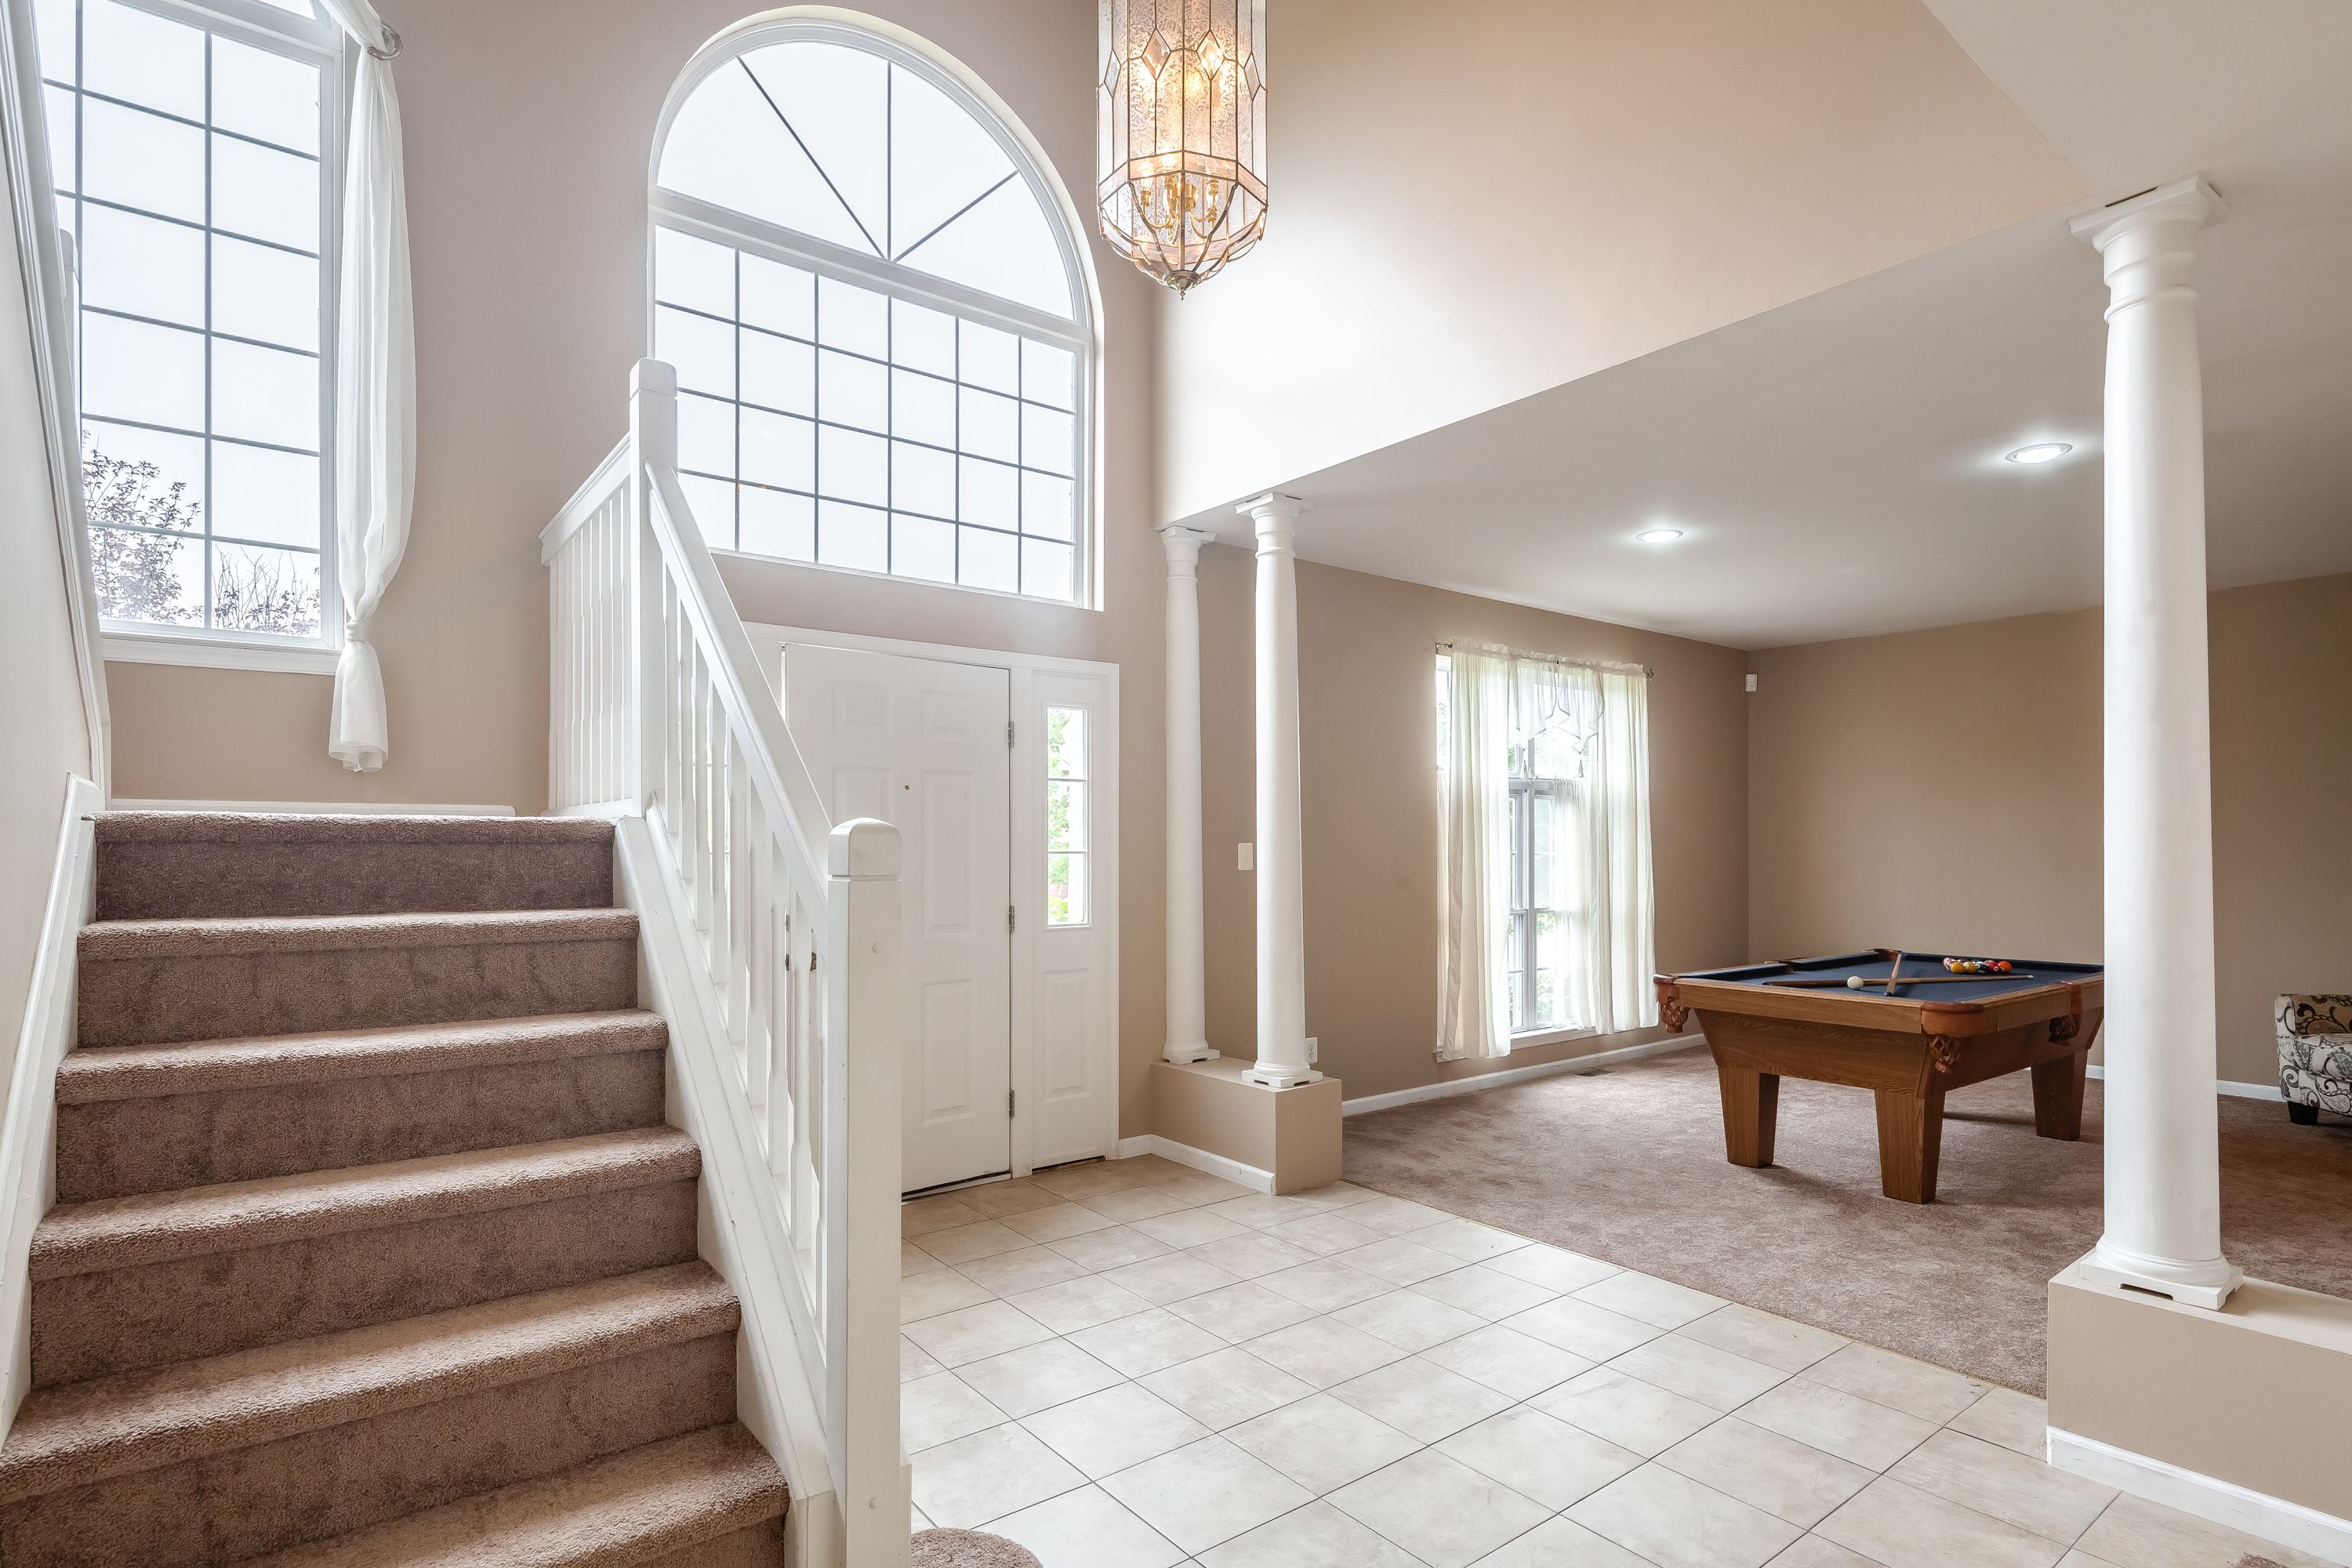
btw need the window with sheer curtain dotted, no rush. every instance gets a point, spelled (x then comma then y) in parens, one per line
(1544, 779)
(878, 319)
(190, 151)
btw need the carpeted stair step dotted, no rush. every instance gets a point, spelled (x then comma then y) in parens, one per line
(155, 982)
(130, 1282)
(712, 1499)
(172, 865)
(219, 1459)
(152, 1118)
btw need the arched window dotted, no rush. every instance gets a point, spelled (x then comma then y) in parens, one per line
(878, 315)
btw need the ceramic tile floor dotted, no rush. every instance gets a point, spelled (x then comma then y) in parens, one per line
(1135, 1365)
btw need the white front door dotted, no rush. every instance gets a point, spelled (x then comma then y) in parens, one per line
(921, 743)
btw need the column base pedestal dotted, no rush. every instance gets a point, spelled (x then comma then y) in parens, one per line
(2122, 1273)
(1282, 1078)
(1278, 1141)
(2233, 1415)
(1178, 1054)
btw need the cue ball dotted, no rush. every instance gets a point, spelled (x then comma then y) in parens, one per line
(1855, 982)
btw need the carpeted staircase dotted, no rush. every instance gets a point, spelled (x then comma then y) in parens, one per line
(370, 1244)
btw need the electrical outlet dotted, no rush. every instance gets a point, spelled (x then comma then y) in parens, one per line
(1312, 1053)
(1246, 857)
(1751, 682)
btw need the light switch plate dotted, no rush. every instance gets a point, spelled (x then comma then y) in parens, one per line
(1247, 857)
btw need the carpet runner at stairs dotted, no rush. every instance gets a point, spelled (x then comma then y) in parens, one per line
(372, 1246)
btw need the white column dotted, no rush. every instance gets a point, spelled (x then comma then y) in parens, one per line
(2163, 1190)
(1281, 868)
(1188, 1001)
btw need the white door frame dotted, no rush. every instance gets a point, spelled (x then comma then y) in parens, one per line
(1027, 847)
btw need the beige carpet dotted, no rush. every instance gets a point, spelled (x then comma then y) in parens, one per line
(1627, 1166)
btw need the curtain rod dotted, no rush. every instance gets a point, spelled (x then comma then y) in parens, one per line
(1446, 645)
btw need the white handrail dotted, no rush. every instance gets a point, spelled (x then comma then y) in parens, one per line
(772, 937)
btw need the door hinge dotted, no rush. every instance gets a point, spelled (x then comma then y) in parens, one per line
(1011, 1096)
(1008, 734)
(1008, 916)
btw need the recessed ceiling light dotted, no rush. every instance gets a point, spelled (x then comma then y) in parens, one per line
(2044, 452)
(1659, 535)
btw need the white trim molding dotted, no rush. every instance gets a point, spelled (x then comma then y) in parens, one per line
(28, 1124)
(2224, 1502)
(1476, 1081)
(218, 653)
(2224, 1086)
(1249, 1176)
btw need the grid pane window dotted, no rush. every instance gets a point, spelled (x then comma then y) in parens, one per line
(1068, 803)
(188, 167)
(832, 422)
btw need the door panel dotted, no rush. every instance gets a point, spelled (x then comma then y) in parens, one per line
(920, 744)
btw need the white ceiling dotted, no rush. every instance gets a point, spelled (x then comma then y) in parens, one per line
(1836, 465)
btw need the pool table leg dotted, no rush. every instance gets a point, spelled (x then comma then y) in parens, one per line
(1751, 1110)
(1910, 1141)
(2058, 1096)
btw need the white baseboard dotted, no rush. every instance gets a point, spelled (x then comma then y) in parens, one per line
(316, 807)
(1516, 1075)
(2224, 1502)
(2235, 1090)
(1249, 1176)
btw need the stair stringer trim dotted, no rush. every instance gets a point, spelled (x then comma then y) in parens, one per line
(28, 1133)
(739, 1232)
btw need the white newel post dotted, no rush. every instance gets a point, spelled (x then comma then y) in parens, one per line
(862, 1166)
(2163, 1191)
(653, 439)
(1281, 869)
(1188, 1000)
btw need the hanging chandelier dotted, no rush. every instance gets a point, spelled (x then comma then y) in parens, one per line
(1184, 134)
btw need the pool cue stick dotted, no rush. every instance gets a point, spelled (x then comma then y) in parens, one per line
(1909, 980)
(1893, 970)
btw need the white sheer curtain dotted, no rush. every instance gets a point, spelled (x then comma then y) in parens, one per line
(1618, 882)
(375, 387)
(1474, 1012)
(1574, 861)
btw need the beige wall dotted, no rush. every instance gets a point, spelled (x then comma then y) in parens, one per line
(1940, 789)
(1367, 650)
(1473, 202)
(41, 702)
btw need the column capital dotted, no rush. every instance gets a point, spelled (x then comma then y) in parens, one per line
(2191, 200)
(1183, 544)
(1274, 503)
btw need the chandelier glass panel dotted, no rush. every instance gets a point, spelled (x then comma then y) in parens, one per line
(1184, 133)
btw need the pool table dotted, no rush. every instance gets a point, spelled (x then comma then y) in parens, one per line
(1910, 1048)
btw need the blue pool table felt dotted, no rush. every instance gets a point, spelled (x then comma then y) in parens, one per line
(1875, 966)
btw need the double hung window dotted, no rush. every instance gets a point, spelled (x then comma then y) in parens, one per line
(193, 156)
(878, 320)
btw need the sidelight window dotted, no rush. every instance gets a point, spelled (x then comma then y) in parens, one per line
(1068, 788)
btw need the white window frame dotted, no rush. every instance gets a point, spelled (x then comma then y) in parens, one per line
(1078, 333)
(262, 27)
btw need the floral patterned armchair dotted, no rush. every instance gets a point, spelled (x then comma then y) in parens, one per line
(2315, 1047)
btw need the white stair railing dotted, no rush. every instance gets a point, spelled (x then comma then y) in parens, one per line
(771, 938)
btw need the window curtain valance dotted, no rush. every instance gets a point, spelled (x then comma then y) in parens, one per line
(375, 386)
(1581, 728)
